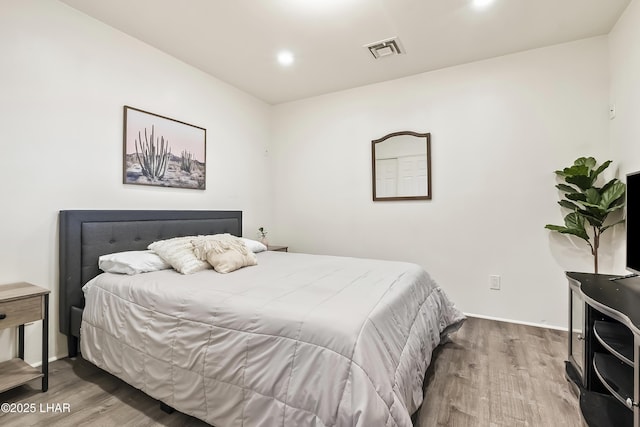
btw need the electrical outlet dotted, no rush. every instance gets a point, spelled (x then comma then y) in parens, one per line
(494, 282)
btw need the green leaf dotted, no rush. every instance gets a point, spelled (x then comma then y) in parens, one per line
(593, 212)
(564, 230)
(607, 185)
(618, 203)
(594, 221)
(592, 196)
(614, 208)
(574, 221)
(601, 168)
(577, 170)
(569, 205)
(558, 228)
(577, 197)
(611, 194)
(577, 232)
(592, 206)
(584, 182)
(589, 162)
(566, 188)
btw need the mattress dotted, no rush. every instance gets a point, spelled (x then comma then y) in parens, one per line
(298, 340)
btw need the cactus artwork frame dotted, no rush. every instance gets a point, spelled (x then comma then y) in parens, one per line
(163, 152)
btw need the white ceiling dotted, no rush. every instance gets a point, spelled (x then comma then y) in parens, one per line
(237, 40)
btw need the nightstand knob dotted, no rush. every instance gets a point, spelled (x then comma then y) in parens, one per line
(3, 316)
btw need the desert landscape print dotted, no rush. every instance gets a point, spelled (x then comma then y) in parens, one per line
(163, 152)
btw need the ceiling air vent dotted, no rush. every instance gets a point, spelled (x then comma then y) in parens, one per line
(388, 47)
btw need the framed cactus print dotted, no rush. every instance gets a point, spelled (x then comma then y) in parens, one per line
(163, 152)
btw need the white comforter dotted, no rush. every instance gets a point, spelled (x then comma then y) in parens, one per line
(298, 340)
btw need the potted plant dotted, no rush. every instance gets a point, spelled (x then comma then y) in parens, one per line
(589, 204)
(262, 234)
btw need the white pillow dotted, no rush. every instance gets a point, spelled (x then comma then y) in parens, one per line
(132, 262)
(179, 253)
(253, 245)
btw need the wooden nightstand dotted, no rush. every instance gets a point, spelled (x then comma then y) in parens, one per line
(278, 248)
(22, 303)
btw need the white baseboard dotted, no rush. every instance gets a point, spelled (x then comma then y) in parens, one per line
(51, 359)
(537, 325)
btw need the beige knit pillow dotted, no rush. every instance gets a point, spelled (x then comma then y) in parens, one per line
(224, 252)
(230, 260)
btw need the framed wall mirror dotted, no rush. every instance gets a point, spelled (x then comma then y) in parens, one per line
(401, 166)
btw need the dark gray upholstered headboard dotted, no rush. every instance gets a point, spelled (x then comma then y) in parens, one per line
(85, 235)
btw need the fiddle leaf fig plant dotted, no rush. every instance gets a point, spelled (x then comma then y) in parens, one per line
(589, 204)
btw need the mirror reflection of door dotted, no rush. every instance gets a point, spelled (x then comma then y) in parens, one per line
(401, 166)
(412, 175)
(387, 177)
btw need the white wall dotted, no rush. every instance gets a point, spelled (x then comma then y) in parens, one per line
(624, 62)
(64, 79)
(499, 129)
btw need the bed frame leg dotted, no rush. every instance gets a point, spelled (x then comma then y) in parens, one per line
(166, 408)
(72, 345)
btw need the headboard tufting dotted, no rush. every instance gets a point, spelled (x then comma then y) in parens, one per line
(85, 235)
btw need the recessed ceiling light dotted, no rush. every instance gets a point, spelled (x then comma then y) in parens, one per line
(285, 58)
(481, 4)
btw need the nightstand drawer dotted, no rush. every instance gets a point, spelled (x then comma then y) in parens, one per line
(20, 311)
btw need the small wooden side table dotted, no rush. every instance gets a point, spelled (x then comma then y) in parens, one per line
(22, 303)
(278, 248)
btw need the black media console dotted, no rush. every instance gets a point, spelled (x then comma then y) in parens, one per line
(604, 346)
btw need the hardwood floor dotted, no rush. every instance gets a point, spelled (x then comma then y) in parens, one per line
(96, 399)
(500, 374)
(491, 374)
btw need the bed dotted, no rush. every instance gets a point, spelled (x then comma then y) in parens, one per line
(297, 340)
